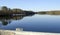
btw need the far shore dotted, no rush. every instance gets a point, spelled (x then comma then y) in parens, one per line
(5, 11)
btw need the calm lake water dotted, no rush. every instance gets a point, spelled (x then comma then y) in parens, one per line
(38, 23)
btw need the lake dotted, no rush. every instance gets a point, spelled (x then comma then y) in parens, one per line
(37, 23)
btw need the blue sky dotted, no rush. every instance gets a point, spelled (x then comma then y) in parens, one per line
(34, 5)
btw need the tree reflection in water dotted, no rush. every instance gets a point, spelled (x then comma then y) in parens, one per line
(7, 19)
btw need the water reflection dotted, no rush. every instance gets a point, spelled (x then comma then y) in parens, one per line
(7, 19)
(37, 23)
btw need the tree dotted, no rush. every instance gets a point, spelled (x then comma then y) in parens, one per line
(17, 11)
(4, 9)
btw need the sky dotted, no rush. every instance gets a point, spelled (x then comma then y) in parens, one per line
(34, 5)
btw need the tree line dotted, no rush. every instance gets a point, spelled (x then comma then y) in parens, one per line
(7, 11)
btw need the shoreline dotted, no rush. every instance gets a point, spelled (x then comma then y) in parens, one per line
(21, 32)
